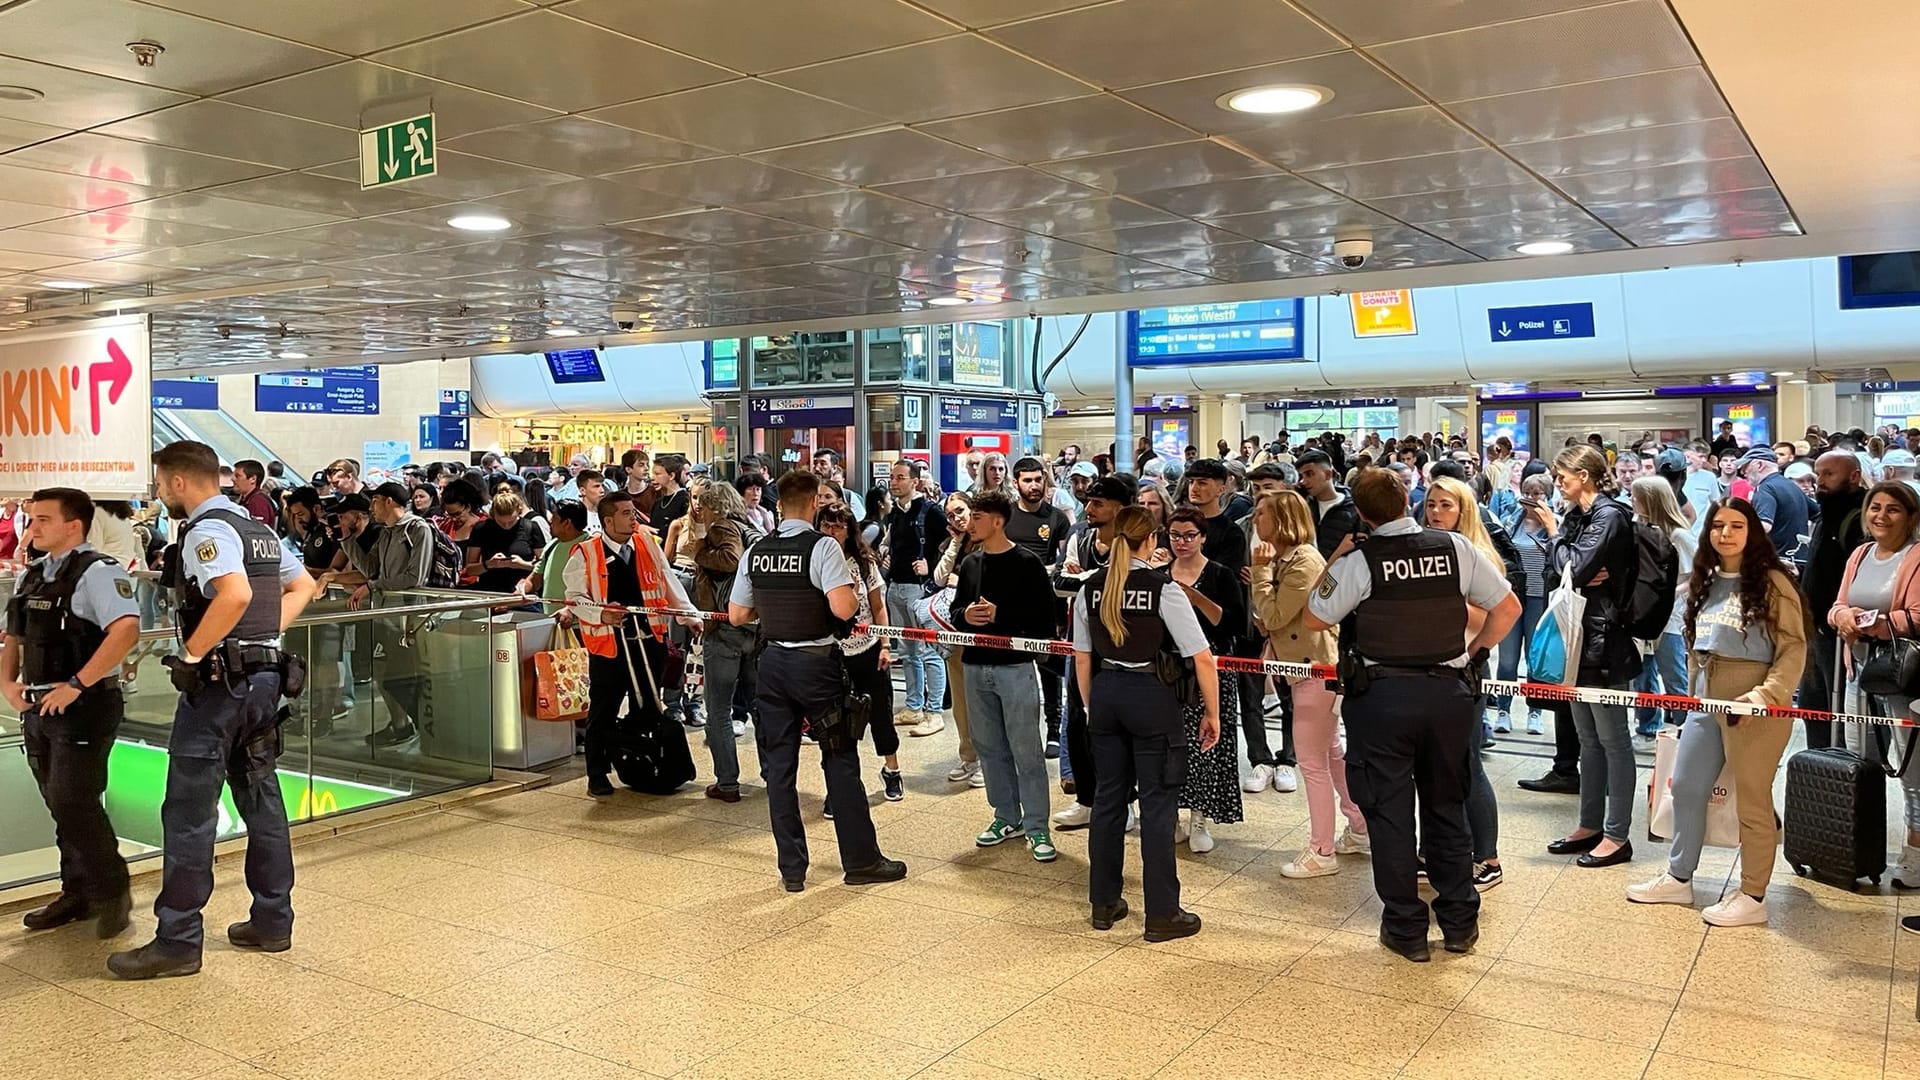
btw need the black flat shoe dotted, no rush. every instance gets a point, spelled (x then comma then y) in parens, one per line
(1463, 944)
(1623, 853)
(64, 909)
(112, 916)
(1185, 924)
(1417, 951)
(1105, 915)
(883, 871)
(794, 884)
(153, 961)
(1569, 845)
(1553, 784)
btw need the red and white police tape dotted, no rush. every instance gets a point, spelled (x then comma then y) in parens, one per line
(1529, 690)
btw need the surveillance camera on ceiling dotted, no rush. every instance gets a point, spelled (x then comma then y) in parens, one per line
(627, 315)
(1352, 246)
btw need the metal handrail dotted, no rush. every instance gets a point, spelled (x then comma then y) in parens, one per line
(471, 601)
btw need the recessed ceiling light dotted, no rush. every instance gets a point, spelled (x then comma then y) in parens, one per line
(1797, 382)
(1544, 247)
(58, 283)
(20, 93)
(479, 223)
(1779, 374)
(562, 331)
(949, 301)
(293, 355)
(1274, 100)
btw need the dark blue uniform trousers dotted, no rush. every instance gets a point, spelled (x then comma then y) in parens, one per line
(67, 755)
(223, 733)
(1405, 735)
(1139, 736)
(795, 685)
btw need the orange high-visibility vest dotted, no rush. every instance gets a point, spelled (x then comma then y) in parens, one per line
(596, 638)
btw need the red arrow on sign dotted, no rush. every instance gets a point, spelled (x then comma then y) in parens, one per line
(116, 371)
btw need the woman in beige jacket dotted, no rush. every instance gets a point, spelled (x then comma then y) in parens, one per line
(1286, 565)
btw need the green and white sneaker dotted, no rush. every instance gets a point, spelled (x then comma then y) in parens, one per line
(1040, 846)
(997, 833)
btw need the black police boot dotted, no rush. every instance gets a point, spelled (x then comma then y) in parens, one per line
(1464, 943)
(242, 935)
(1185, 924)
(598, 787)
(881, 871)
(153, 961)
(1417, 951)
(65, 908)
(112, 916)
(1105, 915)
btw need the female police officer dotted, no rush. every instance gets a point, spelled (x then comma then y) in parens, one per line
(1120, 628)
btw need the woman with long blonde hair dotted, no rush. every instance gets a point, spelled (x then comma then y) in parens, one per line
(1121, 629)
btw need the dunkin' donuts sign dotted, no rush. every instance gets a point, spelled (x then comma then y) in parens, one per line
(76, 409)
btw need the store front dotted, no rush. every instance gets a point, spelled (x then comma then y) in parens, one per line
(546, 442)
(1540, 424)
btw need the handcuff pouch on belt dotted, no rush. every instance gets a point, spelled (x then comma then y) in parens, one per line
(1176, 672)
(840, 726)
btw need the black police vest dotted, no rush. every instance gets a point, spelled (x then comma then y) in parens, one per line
(1139, 610)
(1415, 615)
(54, 643)
(260, 551)
(791, 608)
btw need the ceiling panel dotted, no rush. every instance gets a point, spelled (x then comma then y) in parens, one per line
(1160, 167)
(348, 26)
(1637, 148)
(770, 37)
(76, 99)
(1369, 22)
(881, 157)
(243, 134)
(461, 177)
(1078, 127)
(1358, 87)
(1519, 198)
(1495, 236)
(1006, 189)
(861, 211)
(348, 95)
(554, 61)
(740, 116)
(247, 217)
(92, 190)
(1661, 97)
(1136, 42)
(1243, 196)
(1434, 172)
(722, 227)
(933, 80)
(1582, 45)
(1668, 182)
(1092, 216)
(577, 145)
(325, 195)
(1352, 140)
(159, 169)
(18, 133)
(202, 57)
(725, 181)
(594, 202)
(13, 213)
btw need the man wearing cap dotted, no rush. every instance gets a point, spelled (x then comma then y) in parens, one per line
(1900, 465)
(1779, 502)
(400, 558)
(1071, 496)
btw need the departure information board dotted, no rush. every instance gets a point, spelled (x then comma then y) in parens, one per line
(1215, 333)
(575, 366)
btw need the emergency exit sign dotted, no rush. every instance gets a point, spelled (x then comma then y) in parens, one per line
(398, 152)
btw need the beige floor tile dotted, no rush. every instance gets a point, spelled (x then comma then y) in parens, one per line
(1063, 909)
(532, 1059)
(1231, 937)
(1579, 892)
(224, 971)
(1019, 956)
(1752, 963)
(660, 944)
(284, 1005)
(537, 993)
(14, 982)
(923, 1005)
(790, 972)
(890, 928)
(351, 928)
(809, 1049)
(521, 805)
(1014, 858)
(931, 835)
(663, 1027)
(1476, 1046)
(577, 863)
(452, 897)
(769, 908)
(1903, 1032)
(1827, 920)
(47, 1022)
(1360, 962)
(954, 1068)
(1060, 1039)
(749, 850)
(1665, 1066)
(1291, 1013)
(1217, 1056)
(403, 1043)
(1527, 879)
(553, 915)
(239, 1070)
(1627, 1012)
(1261, 890)
(968, 890)
(1610, 948)
(1789, 1041)
(349, 868)
(1177, 989)
(128, 1051)
(420, 964)
(1500, 921)
(667, 881)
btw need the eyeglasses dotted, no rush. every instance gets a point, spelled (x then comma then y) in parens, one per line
(837, 525)
(1183, 537)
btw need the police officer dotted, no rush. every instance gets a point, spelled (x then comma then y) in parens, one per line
(236, 588)
(797, 582)
(72, 621)
(1412, 703)
(1121, 628)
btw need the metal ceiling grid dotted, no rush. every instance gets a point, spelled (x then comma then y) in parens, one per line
(730, 165)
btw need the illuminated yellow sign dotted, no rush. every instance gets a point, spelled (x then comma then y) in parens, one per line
(1382, 312)
(616, 434)
(1506, 418)
(1740, 412)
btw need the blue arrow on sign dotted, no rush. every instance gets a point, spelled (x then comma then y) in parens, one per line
(1541, 322)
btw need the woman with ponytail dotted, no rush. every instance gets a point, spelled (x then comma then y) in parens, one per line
(1138, 650)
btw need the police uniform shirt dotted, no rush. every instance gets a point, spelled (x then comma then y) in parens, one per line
(103, 596)
(826, 569)
(1349, 580)
(1176, 611)
(212, 550)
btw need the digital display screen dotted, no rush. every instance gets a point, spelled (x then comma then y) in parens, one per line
(1215, 333)
(1515, 423)
(1750, 419)
(575, 366)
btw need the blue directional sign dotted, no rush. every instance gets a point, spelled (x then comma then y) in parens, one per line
(456, 403)
(1541, 322)
(351, 391)
(443, 433)
(193, 392)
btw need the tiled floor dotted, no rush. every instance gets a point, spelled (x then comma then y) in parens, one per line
(547, 935)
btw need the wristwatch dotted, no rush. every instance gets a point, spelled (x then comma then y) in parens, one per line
(77, 684)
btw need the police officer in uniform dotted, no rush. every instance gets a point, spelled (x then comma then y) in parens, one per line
(1120, 629)
(72, 621)
(237, 588)
(797, 582)
(1413, 703)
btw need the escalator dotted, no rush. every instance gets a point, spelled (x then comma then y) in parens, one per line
(215, 428)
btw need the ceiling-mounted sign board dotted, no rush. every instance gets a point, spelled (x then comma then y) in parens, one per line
(398, 152)
(76, 409)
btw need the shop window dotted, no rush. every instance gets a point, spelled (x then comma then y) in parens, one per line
(803, 359)
(899, 354)
(723, 364)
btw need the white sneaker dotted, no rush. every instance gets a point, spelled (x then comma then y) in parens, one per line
(1199, 840)
(1257, 780)
(964, 772)
(1907, 874)
(1284, 780)
(1179, 830)
(1662, 890)
(1737, 909)
(1133, 819)
(904, 717)
(739, 728)
(1269, 703)
(978, 779)
(1310, 864)
(1353, 843)
(1075, 816)
(930, 724)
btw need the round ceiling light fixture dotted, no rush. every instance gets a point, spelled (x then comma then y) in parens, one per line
(1275, 100)
(20, 93)
(1796, 382)
(949, 301)
(1544, 247)
(480, 223)
(292, 354)
(1779, 374)
(60, 283)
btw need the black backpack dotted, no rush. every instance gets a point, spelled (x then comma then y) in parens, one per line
(444, 571)
(1656, 578)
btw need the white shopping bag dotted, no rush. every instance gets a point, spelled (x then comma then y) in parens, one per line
(1723, 818)
(1553, 654)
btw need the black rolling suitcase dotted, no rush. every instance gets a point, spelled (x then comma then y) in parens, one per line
(1836, 810)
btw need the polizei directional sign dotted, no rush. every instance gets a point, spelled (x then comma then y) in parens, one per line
(396, 153)
(1541, 322)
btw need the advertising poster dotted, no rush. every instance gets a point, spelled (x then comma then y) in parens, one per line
(1382, 313)
(1750, 419)
(977, 359)
(382, 459)
(1515, 424)
(1170, 437)
(76, 409)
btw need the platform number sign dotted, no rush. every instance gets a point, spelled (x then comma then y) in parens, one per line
(398, 152)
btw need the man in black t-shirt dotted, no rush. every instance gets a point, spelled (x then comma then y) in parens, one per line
(1042, 528)
(1206, 488)
(1724, 443)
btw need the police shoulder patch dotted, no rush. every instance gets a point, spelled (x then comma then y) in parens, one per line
(123, 586)
(206, 552)
(1327, 585)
